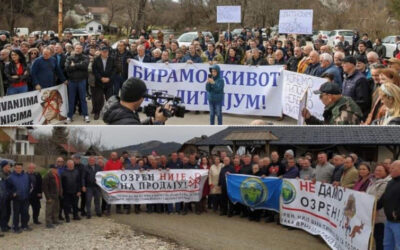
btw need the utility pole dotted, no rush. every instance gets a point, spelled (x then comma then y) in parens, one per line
(60, 19)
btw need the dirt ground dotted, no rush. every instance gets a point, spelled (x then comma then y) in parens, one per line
(211, 231)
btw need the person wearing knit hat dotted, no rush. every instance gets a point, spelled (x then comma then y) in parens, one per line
(123, 111)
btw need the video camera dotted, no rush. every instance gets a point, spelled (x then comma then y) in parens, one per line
(176, 109)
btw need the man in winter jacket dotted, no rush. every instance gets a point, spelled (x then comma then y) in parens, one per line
(76, 67)
(52, 189)
(123, 111)
(226, 204)
(71, 184)
(90, 187)
(36, 192)
(113, 164)
(19, 185)
(80, 167)
(390, 202)
(5, 205)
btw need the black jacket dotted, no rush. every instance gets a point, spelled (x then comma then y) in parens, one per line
(246, 169)
(36, 183)
(71, 181)
(357, 87)
(222, 177)
(63, 60)
(79, 71)
(146, 59)
(89, 176)
(11, 70)
(99, 72)
(390, 201)
(116, 114)
(292, 63)
(270, 172)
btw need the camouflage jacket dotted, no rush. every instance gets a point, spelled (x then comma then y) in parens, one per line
(343, 112)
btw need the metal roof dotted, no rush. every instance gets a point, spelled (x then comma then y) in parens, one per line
(316, 135)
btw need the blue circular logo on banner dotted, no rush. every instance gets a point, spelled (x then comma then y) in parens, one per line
(253, 192)
(288, 192)
(110, 182)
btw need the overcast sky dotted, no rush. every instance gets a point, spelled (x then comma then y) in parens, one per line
(119, 136)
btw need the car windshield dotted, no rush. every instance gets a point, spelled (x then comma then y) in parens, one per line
(346, 33)
(187, 38)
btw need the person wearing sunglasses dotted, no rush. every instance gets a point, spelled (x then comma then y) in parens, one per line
(339, 110)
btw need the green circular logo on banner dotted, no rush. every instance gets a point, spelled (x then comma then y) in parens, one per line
(253, 192)
(110, 182)
(288, 192)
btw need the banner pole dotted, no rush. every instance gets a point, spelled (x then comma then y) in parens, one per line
(371, 239)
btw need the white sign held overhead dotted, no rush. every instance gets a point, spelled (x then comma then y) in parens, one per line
(229, 14)
(296, 22)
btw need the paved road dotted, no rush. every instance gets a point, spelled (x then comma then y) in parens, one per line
(198, 119)
(211, 231)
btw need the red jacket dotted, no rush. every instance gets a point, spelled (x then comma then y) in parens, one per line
(113, 165)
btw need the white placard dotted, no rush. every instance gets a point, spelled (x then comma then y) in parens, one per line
(229, 14)
(296, 22)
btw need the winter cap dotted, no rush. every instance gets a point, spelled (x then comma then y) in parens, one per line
(350, 59)
(3, 163)
(329, 88)
(133, 90)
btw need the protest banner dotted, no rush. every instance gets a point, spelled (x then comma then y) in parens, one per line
(229, 14)
(152, 186)
(48, 106)
(249, 90)
(296, 22)
(254, 192)
(342, 217)
(294, 86)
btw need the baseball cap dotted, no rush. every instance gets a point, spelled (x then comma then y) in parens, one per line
(350, 59)
(105, 48)
(329, 88)
(133, 90)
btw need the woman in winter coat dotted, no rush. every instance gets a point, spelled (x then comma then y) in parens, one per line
(364, 171)
(17, 73)
(213, 177)
(215, 92)
(377, 188)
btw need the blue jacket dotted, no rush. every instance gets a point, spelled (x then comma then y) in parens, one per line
(46, 72)
(215, 92)
(20, 185)
(332, 69)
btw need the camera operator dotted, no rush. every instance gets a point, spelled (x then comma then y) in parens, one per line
(123, 111)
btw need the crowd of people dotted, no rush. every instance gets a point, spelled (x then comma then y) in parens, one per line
(69, 183)
(366, 89)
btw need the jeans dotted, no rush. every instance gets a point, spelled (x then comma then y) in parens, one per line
(170, 207)
(391, 240)
(17, 90)
(20, 213)
(77, 88)
(215, 110)
(93, 192)
(117, 84)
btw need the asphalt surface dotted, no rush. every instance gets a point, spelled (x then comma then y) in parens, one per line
(191, 118)
(211, 231)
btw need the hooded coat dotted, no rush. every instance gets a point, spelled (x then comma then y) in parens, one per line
(215, 92)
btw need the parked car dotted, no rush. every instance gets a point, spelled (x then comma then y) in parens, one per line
(324, 33)
(334, 36)
(390, 43)
(36, 33)
(21, 31)
(11, 162)
(187, 38)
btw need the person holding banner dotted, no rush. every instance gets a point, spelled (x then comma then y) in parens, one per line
(215, 94)
(339, 110)
(390, 202)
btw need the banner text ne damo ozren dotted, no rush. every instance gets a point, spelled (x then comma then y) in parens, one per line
(342, 217)
(152, 186)
(249, 90)
(48, 106)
